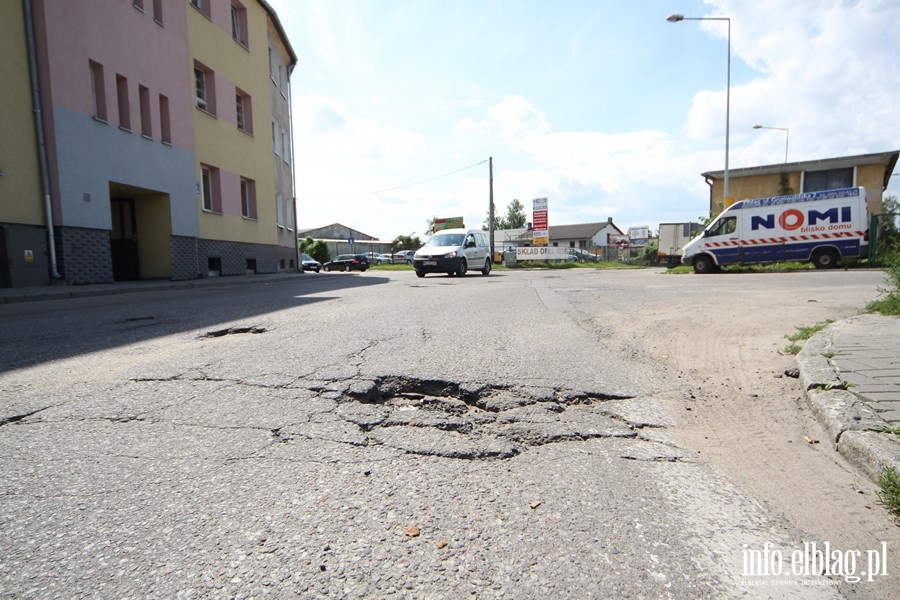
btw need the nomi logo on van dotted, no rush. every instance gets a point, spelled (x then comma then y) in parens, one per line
(793, 219)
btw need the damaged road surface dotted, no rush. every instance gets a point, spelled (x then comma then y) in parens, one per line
(369, 440)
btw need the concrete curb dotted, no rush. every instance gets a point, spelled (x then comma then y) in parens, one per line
(852, 425)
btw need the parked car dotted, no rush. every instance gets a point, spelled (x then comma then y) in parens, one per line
(403, 257)
(348, 262)
(582, 255)
(309, 263)
(500, 253)
(378, 259)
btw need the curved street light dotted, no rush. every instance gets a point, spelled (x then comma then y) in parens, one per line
(675, 19)
(787, 135)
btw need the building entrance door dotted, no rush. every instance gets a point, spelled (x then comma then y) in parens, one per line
(123, 240)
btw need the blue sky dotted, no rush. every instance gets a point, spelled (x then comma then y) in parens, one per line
(601, 106)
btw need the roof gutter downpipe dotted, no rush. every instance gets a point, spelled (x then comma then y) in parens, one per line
(39, 128)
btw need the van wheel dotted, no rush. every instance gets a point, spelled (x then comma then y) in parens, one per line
(420, 273)
(487, 267)
(462, 268)
(826, 258)
(704, 264)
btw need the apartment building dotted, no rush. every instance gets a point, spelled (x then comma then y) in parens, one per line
(153, 132)
(871, 171)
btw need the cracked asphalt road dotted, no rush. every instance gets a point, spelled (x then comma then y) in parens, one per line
(359, 436)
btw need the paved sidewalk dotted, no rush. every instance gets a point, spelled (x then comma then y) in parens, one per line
(851, 372)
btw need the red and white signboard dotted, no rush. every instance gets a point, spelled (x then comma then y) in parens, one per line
(539, 223)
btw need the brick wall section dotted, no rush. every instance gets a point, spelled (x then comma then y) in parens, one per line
(288, 257)
(183, 252)
(84, 255)
(234, 256)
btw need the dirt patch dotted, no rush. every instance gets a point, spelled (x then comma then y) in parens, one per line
(739, 409)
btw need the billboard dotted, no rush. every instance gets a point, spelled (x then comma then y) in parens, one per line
(448, 223)
(639, 236)
(539, 222)
(616, 240)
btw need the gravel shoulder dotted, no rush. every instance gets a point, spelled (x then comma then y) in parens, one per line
(737, 409)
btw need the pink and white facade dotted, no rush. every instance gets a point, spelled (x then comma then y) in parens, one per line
(118, 102)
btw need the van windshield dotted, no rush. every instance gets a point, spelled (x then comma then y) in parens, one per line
(446, 239)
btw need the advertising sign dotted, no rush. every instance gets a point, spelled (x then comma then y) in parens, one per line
(639, 236)
(448, 223)
(542, 253)
(616, 240)
(539, 222)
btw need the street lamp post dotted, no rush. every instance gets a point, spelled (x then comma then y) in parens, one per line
(675, 19)
(787, 135)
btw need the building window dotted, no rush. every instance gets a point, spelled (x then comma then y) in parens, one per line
(276, 139)
(201, 5)
(146, 122)
(271, 66)
(830, 179)
(124, 107)
(209, 189)
(239, 23)
(244, 111)
(284, 147)
(158, 11)
(165, 125)
(248, 198)
(138, 4)
(279, 210)
(98, 89)
(204, 90)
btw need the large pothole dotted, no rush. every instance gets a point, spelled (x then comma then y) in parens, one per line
(476, 421)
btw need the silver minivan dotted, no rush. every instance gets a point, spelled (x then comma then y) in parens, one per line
(454, 251)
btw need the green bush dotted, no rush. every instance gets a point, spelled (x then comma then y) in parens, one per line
(889, 494)
(317, 249)
(889, 303)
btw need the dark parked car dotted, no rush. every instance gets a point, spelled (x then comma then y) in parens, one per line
(309, 263)
(348, 262)
(582, 255)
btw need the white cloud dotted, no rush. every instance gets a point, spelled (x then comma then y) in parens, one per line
(827, 72)
(825, 69)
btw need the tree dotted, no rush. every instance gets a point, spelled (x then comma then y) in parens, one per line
(515, 217)
(784, 185)
(888, 240)
(406, 242)
(317, 249)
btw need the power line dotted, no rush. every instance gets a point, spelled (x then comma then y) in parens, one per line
(399, 187)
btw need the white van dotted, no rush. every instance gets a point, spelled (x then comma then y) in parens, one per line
(821, 227)
(454, 251)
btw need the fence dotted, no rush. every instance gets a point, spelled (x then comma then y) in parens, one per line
(884, 237)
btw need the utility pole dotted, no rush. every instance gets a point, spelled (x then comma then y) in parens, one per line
(491, 204)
